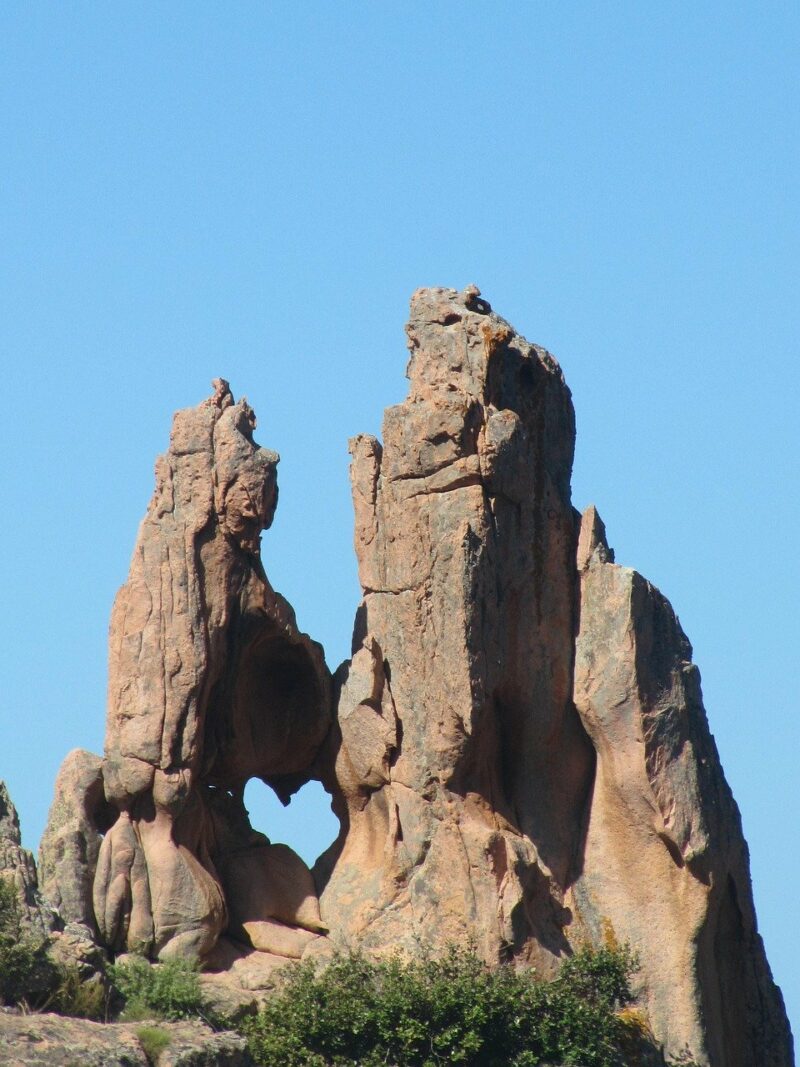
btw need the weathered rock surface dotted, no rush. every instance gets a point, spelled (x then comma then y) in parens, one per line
(665, 862)
(70, 845)
(54, 1041)
(519, 754)
(462, 762)
(17, 866)
(210, 684)
(522, 753)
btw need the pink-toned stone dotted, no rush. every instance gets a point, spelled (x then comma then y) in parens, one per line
(18, 868)
(664, 862)
(69, 848)
(258, 970)
(266, 882)
(522, 757)
(266, 935)
(210, 684)
(519, 758)
(462, 761)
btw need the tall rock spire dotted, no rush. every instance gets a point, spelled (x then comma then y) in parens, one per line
(465, 537)
(665, 861)
(537, 764)
(210, 685)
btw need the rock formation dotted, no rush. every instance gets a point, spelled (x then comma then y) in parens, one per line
(517, 750)
(18, 867)
(42, 1040)
(536, 787)
(210, 684)
(465, 539)
(69, 849)
(665, 861)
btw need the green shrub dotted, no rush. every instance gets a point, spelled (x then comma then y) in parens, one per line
(27, 975)
(78, 997)
(153, 1041)
(454, 1010)
(169, 990)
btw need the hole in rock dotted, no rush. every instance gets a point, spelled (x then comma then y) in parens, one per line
(307, 825)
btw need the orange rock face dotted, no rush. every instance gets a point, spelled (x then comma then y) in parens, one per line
(461, 682)
(523, 757)
(517, 750)
(210, 684)
(664, 861)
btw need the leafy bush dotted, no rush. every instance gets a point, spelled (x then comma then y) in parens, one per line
(79, 997)
(454, 1010)
(599, 975)
(27, 975)
(169, 990)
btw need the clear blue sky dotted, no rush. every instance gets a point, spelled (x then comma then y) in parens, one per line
(254, 190)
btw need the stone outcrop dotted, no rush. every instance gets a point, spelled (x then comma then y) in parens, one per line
(37, 923)
(210, 685)
(462, 762)
(517, 751)
(522, 754)
(18, 867)
(665, 861)
(53, 1041)
(70, 846)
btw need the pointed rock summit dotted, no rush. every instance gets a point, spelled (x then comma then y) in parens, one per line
(517, 751)
(664, 861)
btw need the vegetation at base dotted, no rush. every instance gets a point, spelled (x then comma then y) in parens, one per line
(27, 975)
(170, 990)
(30, 979)
(359, 1013)
(153, 1041)
(78, 997)
(452, 1010)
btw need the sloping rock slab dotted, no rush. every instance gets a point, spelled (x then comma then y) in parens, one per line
(55, 1041)
(195, 1045)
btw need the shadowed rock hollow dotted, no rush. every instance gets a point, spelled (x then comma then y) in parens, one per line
(517, 751)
